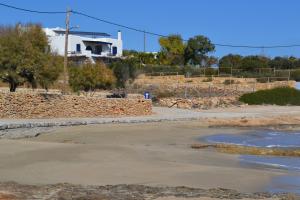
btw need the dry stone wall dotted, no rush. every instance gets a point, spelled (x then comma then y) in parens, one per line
(200, 103)
(238, 84)
(22, 105)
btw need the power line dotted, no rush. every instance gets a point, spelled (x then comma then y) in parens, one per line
(33, 11)
(160, 35)
(258, 47)
(146, 32)
(116, 24)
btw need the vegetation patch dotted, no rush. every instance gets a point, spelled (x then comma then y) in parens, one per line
(228, 82)
(278, 96)
(237, 149)
(209, 79)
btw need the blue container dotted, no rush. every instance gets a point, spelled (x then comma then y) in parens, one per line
(147, 95)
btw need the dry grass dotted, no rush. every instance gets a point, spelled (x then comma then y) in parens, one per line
(236, 149)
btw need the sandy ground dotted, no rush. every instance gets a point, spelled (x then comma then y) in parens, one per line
(155, 154)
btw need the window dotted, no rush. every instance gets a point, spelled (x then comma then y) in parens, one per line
(78, 48)
(98, 49)
(114, 51)
(89, 48)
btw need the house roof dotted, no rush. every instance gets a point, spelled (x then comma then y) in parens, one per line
(84, 33)
(98, 42)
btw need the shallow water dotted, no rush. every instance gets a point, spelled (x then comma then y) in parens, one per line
(289, 163)
(268, 139)
(281, 184)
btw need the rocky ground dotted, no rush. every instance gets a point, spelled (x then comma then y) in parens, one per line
(14, 191)
(283, 122)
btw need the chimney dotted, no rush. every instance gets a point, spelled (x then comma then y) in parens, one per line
(119, 35)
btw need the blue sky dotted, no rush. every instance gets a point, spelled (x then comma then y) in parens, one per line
(239, 22)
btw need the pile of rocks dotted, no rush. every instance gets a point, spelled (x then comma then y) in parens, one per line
(22, 105)
(200, 103)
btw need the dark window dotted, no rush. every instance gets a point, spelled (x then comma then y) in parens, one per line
(78, 48)
(89, 48)
(98, 49)
(114, 51)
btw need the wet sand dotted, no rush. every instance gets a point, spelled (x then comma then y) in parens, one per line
(154, 154)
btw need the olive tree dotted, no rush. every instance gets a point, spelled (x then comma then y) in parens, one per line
(24, 56)
(197, 49)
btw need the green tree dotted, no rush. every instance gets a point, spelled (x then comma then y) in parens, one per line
(252, 63)
(231, 61)
(125, 71)
(23, 55)
(197, 49)
(50, 71)
(283, 62)
(172, 50)
(90, 77)
(11, 57)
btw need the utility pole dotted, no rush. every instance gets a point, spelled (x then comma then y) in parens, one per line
(66, 51)
(144, 41)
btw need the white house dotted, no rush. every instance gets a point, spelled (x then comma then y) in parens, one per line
(85, 45)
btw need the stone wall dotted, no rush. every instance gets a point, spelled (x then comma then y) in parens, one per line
(238, 84)
(200, 103)
(22, 105)
(180, 79)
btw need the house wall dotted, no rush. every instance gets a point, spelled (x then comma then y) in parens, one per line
(57, 43)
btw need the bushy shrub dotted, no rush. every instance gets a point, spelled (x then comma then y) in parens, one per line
(209, 79)
(211, 71)
(228, 82)
(263, 80)
(165, 94)
(162, 69)
(295, 75)
(277, 96)
(90, 77)
(125, 71)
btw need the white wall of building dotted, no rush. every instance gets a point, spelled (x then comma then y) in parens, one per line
(57, 44)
